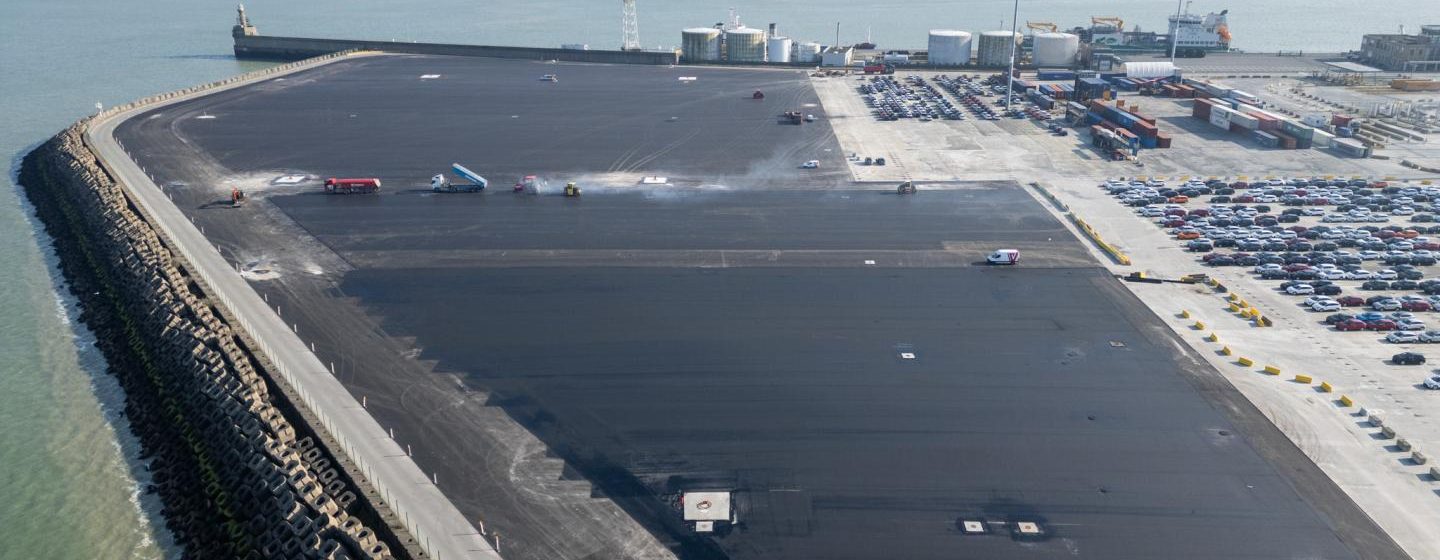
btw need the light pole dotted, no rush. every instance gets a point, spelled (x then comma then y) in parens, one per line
(1014, 46)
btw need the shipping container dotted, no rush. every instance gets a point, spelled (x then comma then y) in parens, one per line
(1341, 120)
(1242, 120)
(1144, 129)
(1054, 74)
(1322, 139)
(1266, 139)
(1243, 97)
(1299, 131)
(1219, 120)
(1350, 147)
(1344, 131)
(1162, 140)
(1287, 142)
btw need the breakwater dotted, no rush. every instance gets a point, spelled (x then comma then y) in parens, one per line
(240, 473)
(296, 48)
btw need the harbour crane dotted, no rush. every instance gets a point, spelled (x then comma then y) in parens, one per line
(1038, 26)
(1117, 23)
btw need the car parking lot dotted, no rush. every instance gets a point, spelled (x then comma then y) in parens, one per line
(1361, 252)
(913, 97)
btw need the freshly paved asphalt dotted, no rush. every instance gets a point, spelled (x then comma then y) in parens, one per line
(1042, 392)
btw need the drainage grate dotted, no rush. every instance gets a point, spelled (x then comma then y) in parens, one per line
(1117, 344)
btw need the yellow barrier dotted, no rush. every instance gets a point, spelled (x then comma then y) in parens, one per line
(1264, 321)
(1234, 308)
(1304, 379)
(1272, 370)
(1213, 337)
(1226, 351)
(1109, 249)
(1326, 388)
(1244, 303)
(1246, 362)
(1346, 402)
(1185, 314)
(1199, 326)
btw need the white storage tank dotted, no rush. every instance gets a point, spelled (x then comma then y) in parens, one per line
(744, 44)
(949, 47)
(995, 47)
(806, 52)
(700, 43)
(1144, 70)
(779, 49)
(1056, 50)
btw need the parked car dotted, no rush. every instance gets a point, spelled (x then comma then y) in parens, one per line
(1381, 325)
(1407, 359)
(1402, 337)
(1350, 301)
(1433, 382)
(1351, 325)
(1306, 289)
(1342, 317)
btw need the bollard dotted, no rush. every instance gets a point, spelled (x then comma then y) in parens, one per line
(1184, 314)
(1376, 420)
(1387, 433)
(1403, 444)
(1199, 326)
(1226, 351)
(1213, 337)
(1419, 458)
(1234, 308)
(1247, 362)
(1232, 297)
(1272, 370)
(1326, 387)
(1346, 402)
(1304, 379)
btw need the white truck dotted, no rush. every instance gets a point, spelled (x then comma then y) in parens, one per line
(1004, 256)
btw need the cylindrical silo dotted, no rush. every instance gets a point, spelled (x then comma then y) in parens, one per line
(744, 44)
(949, 47)
(995, 47)
(1055, 50)
(806, 52)
(1149, 69)
(700, 43)
(779, 49)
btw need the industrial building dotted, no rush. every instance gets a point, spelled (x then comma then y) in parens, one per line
(1403, 53)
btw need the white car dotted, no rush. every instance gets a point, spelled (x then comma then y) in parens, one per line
(1313, 212)
(1325, 306)
(1430, 336)
(1261, 269)
(1433, 382)
(1402, 337)
(1312, 300)
(1411, 326)
(1360, 275)
(812, 164)
(1386, 305)
(1387, 274)
(1304, 290)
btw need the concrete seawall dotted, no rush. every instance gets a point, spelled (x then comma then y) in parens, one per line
(239, 471)
(297, 48)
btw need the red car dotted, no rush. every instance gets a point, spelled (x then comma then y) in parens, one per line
(1415, 305)
(1351, 325)
(1381, 325)
(1244, 198)
(1350, 301)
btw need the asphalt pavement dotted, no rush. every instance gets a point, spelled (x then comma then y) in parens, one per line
(860, 409)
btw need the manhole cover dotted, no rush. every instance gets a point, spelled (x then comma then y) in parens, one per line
(973, 527)
(907, 355)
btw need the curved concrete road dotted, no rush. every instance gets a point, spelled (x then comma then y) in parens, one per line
(435, 522)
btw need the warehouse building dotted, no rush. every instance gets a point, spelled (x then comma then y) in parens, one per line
(1404, 53)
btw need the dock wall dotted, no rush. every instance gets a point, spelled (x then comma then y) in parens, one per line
(240, 472)
(295, 48)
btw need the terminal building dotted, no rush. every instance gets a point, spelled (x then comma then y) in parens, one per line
(1404, 53)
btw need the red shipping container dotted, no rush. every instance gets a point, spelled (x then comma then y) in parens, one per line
(1287, 141)
(1143, 128)
(1126, 134)
(1162, 140)
(1096, 106)
(1341, 120)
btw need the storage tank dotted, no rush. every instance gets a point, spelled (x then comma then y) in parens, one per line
(806, 52)
(949, 47)
(1145, 70)
(779, 49)
(700, 43)
(744, 44)
(995, 47)
(1055, 49)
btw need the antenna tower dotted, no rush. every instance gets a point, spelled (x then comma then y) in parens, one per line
(631, 24)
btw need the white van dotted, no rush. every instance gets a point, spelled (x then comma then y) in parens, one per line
(1004, 256)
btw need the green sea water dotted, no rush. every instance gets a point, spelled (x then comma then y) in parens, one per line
(70, 479)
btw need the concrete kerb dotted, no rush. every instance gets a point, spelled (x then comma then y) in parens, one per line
(1110, 250)
(452, 535)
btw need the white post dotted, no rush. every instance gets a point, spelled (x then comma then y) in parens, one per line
(1014, 46)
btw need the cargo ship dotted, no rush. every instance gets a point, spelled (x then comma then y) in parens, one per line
(1197, 35)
